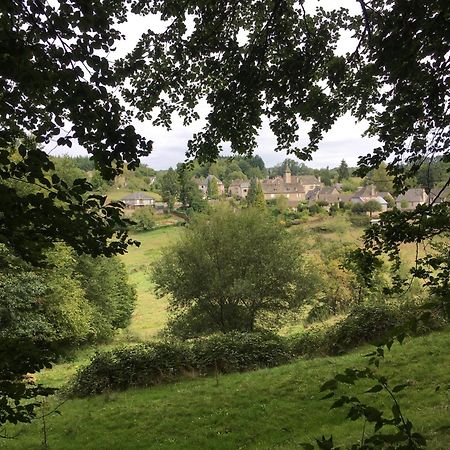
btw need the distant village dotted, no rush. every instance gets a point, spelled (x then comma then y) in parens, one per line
(302, 189)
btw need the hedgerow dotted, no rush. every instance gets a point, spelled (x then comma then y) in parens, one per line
(162, 362)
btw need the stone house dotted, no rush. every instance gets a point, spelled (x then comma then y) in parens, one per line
(329, 194)
(137, 200)
(203, 183)
(239, 188)
(411, 198)
(437, 195)
(368, 193)
(294, 188)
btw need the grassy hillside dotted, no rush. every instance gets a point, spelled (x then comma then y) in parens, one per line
(117, 194)
(150, 314)
(268, 409)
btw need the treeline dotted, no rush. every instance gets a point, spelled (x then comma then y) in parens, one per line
(431, 174)
(67, 299)
(71, 300)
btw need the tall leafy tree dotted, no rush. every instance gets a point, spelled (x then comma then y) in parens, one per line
(343, 171)
(190, 195)
(381, 179)
(213, 188)
(237, 271)
(255, 195)
(170, 188)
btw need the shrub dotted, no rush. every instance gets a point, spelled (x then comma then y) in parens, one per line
(365, 323)
(309, 343)
(155, 363)
(144, 219)
(359, 220)
(136, 365)
(237, 352)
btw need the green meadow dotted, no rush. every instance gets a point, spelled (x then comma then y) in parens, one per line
(267, 409)
(275, 408)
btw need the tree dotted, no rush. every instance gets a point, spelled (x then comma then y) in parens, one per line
(372, 206)
(213, 188)
(381, 179)
(58, 85)
(343, 172)
(236, 271)
(144, 219)
(255, 195)
(190, 195)
(170, 188)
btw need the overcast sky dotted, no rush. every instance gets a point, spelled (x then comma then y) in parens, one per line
(343, 141)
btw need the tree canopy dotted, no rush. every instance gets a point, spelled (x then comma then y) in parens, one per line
(231, 271)
(58, 86)
(281, 60)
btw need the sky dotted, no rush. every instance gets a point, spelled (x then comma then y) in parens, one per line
(343, 141)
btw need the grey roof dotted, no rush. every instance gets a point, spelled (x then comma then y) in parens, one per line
(312, 194)
(328, 190)
(413, 195)
(437, 196)
(381, 200)
(210, 177)
(307, 179)
(366, 191)
(137, 196)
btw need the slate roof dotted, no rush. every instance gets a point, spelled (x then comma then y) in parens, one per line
(414, 195)
(137, 196)
(366, 192)
(307, 179)
(443, 196)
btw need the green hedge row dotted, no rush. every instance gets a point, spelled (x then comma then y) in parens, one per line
(160, 362)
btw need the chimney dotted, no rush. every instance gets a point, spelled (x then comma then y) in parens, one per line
(287, 175)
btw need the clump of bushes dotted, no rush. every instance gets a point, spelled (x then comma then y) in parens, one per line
(162, 362)
(144, 219)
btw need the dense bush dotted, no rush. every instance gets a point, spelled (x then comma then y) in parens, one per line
(72, 300)
(162, 362)
(154, 363)
(144, 219)
(365, 323)
(359, 220)
(236, 352)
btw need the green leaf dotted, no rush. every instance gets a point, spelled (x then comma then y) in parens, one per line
(376, 388)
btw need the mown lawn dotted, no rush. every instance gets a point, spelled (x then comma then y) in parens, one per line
(267, 409)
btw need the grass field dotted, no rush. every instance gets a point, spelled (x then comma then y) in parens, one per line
(150, 314)
(268, 409)
(117, 194)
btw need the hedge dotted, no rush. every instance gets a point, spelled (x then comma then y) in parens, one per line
(161, 362)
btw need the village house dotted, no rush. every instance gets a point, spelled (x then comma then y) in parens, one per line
(411, 198)
(439, 195)
(328, 194)
(137, 200)
(294, 188)
(368, 193)
(239, 188)
(203, 183)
